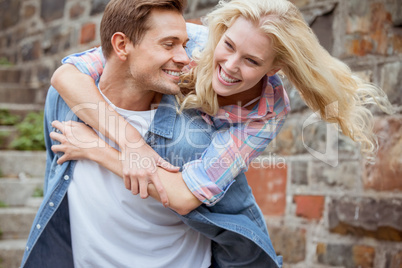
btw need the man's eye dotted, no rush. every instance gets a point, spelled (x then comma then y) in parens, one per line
(169, 45)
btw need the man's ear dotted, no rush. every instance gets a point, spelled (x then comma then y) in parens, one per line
(119, 42)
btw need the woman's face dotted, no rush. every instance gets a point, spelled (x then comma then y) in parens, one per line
(242, 58)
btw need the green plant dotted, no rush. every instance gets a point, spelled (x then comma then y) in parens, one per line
(3, 205)
(7, 119)
(38, 192)
(3, 137)
(5, 62)
(30, 133)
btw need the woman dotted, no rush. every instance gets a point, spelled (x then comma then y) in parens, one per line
(249, 42)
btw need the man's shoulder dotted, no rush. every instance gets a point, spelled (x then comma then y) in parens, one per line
(57, 108)
(52, 98)
(198, 37)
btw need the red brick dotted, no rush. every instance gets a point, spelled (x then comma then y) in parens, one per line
(87, 33)
(386, 173)
(397, 44)
(369, 217)
(289, 242)
(309, 207)
(395, 260)
(363, 256)
(345, 255)
(380, 23)
(361, 47)
(380, 18)
(76, 11)
(269, 187)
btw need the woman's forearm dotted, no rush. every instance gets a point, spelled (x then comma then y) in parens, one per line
(181, 199)
(81, 94)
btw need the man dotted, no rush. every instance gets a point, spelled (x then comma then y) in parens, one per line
(88, 218)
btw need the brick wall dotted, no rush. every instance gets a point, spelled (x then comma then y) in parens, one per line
(324, 206)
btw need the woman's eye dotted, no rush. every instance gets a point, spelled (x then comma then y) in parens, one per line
(228, 45)
(252, 61)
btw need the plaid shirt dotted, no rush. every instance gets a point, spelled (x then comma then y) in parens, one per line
(242, 134)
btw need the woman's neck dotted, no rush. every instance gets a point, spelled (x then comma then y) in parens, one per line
(242, 98)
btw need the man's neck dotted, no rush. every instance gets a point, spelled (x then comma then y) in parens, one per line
(124, 94)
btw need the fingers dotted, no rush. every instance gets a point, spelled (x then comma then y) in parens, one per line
(57, 137)
(127, 179)
(137, 182)
(143, 187)
(59, 125)
(62, 125)
(166, 165)
(134, 186)
(60, 148)
(62, 159)
(161, 190)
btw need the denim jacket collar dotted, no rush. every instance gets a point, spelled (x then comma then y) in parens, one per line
(163, 122)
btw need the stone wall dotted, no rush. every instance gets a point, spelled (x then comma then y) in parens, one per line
(324, 206)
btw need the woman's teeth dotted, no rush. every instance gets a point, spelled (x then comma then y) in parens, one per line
(227, 79)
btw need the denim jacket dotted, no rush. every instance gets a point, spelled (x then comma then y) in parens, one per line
(235, 225)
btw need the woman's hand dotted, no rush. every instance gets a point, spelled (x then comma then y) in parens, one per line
(77, 141)
(139, 169)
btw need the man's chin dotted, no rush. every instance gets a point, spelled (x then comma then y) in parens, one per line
(169, 90)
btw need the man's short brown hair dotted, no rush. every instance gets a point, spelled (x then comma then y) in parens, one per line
(130, 17)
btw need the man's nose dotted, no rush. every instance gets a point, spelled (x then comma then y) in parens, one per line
(181, 57)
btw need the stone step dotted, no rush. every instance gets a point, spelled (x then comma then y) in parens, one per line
(34, 202)
(7, 135)
(31, 163)
(21, 109)
(10, 74)
(13, 93)
(11, 252)
(16, 222)
(17, 192)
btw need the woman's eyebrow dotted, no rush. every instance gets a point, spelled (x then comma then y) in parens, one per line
(247, 54)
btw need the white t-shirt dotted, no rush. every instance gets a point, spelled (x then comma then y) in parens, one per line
(111, 227)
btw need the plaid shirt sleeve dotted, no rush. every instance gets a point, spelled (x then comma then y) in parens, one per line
(90, 62)
(233, 149)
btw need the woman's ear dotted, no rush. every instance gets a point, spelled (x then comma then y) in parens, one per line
(273, 71)
(119, 42)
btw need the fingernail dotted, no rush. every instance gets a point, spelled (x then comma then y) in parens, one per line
(166, 205)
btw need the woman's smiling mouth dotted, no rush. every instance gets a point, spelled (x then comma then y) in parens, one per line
(225, 78)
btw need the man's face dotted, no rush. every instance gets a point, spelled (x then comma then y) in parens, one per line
(156, 62)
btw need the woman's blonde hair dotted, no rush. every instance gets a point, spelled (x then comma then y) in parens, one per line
(326, 84)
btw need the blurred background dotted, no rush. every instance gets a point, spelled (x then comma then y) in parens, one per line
(324, 206)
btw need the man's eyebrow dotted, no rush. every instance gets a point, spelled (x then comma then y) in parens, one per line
(176, 38)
